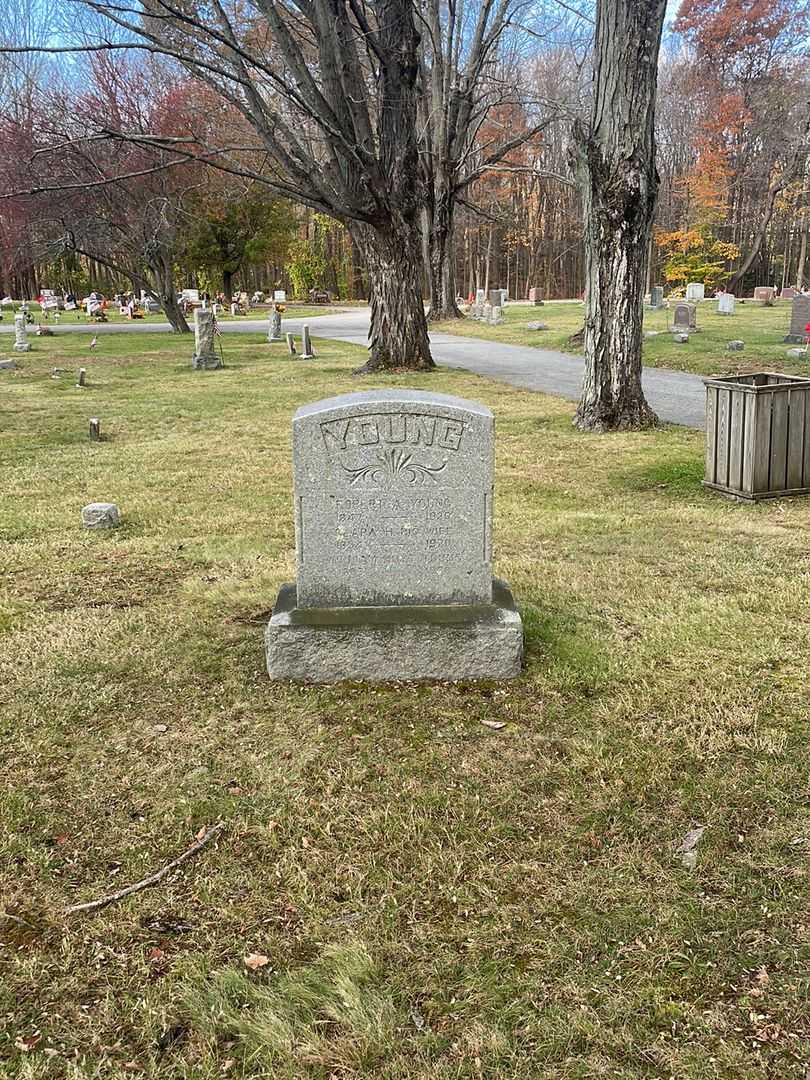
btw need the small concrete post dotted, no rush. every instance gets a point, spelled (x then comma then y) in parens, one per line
(308, 354)
(82, 376)
(291, 344)
(95, 429)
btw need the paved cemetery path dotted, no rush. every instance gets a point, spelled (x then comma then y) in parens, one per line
(677, 397)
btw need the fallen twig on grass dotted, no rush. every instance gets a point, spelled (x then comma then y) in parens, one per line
(153, 879)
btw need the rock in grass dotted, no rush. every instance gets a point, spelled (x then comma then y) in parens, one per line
(682, 339)
(735, 346)
(100, 516)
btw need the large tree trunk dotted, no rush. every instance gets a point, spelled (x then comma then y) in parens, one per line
(227, 284)
(619, 182)
(441, 260)
(172, 311)
(398, 334)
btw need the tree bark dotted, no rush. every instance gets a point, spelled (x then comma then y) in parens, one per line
(615, 163)
(398, 333)
(227, 284)
(441, 260)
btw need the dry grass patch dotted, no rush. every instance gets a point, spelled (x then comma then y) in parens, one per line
(434, 897)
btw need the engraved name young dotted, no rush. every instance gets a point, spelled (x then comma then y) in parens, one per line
(393, 500)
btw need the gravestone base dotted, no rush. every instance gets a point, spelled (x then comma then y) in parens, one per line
(206, 362)
(22, 346)
(448, 642)
(795, 339)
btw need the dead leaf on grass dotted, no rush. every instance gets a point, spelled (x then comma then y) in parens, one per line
(686, 848)
(27, 1043)
(494, 725)
(254, 961)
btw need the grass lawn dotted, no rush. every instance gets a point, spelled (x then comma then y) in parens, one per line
(293, 311)
(435, 898)
(761, 328)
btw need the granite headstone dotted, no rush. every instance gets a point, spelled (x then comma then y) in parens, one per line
(205, 357)
(393, 524)
(799, 318)
(695, 291)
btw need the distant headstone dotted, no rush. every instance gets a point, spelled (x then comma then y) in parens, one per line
(536, 297)
(205, 356)
(274, 333)
(695, 291)
(799, 318)
(100, 516)
(487, 312)
(95, 429)
(81, 381)
(393, 505)
(684, 318)
(765, 293)
(735, 346)
(291, 344)
(21, 343)
(787, 293)
(726, 303)
(279, 296)
(306, 342)
(496, 316)
(235, 309)
(495, 297)
(656, 296)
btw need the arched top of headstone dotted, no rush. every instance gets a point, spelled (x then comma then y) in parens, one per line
(391, 397)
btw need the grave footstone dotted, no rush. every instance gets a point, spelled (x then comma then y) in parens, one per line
(100, 516)
(695, 291)
(205, 357)
(536, 326)
(393, 522)
(21, 342)
(726, 303)
(684, 318)
(799, 318)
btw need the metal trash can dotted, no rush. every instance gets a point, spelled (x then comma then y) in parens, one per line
(758, 435)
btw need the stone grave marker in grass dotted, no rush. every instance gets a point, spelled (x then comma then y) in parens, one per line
(393, 521)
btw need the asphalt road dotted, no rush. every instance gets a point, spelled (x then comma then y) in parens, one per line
(677, 397)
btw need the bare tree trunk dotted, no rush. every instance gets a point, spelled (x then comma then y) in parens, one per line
(615, 161)
(802, 257)
(398, 334)
(441, 259)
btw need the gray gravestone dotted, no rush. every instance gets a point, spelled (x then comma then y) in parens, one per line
(308, 354)
(656, 296)
(100, 516)
(205, 358)
(81, 381)
(695, 291)
(274, 334)
(393, 508)
(291, 344)
(21, 342)
(536, 297)
(496, 316)
(765, 293)
(735, 346)
(726, 303)
(685, 318)
(799, 318)
(787, 293)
